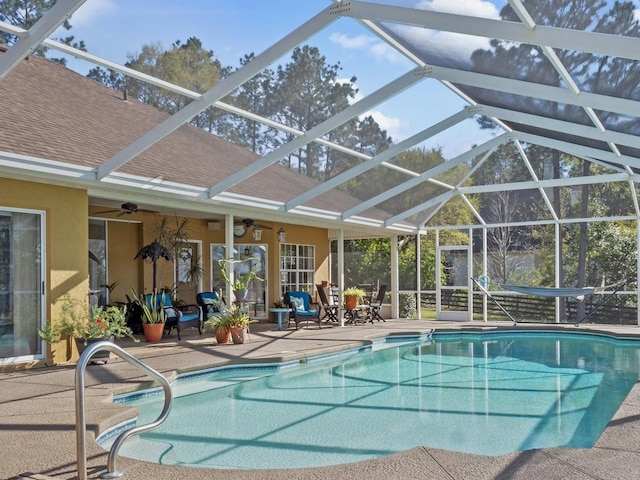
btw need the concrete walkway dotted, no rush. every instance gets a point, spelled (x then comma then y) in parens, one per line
(37, 427)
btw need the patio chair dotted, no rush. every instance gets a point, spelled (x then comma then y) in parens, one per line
(365, 306)
(330, 310)
(301, 311)
(209, 304)
(178, 318)
(375, 305)
(368, 289)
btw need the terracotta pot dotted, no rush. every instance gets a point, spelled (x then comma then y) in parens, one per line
(223, 335)
(153, 331)
(237, 334)
(350, 302)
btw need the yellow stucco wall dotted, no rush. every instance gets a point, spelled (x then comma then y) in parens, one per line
(124, 239)
(66, 236)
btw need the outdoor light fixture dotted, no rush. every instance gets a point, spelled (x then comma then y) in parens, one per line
(257, 234)
(282, 235)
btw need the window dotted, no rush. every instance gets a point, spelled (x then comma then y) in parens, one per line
(297, 268)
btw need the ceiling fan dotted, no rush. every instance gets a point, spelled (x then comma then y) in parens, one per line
(241, 228)
(128, 208)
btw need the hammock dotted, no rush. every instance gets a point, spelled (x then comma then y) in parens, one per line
(549, 292)
(482, 283)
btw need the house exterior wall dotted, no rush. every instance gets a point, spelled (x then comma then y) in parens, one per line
(67, 244)
(123, 242)
(66, 233)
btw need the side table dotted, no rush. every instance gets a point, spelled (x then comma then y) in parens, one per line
(280, 312)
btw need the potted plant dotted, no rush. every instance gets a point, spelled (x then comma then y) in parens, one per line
(220, 323)
(243, 272)
(353, 296)
(153, 316)
(87, 324)
(238, 320)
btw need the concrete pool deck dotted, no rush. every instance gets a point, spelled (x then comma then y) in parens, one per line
(37, 426)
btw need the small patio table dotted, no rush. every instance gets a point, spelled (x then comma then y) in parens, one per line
(281, 313)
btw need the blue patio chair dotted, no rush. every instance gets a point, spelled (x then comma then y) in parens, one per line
(301, 311)
(210, 304)
(178, 318)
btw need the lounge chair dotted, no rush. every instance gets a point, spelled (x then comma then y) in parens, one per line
(330, 310)
(301, 311)
(375, 305)
(178, 318)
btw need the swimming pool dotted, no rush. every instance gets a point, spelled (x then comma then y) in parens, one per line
(487, 394)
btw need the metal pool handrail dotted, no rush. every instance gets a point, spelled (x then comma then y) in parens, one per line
(81, 423)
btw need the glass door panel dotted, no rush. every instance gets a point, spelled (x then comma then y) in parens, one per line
(21, 289)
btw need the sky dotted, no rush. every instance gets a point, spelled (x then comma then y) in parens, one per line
(114, 29)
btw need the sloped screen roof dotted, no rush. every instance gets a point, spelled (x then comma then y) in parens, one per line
(543, 75)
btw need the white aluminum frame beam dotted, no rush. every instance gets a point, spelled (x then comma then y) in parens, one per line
(29, 41)
(381, 157)
(562, 38)
(544, 92)
(563, 126)
(425, 176)
(364, 105)
(579, 150)
(222, 88)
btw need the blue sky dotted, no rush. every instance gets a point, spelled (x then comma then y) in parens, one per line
(115, 28)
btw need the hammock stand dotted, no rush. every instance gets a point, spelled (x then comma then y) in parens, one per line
(551, 292)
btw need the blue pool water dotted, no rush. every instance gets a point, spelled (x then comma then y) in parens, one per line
(487, 394)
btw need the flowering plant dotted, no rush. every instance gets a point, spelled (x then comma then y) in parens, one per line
(81, 320)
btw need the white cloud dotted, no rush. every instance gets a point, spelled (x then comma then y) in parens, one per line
(380, 50)
(393, 125)
(91, 11)
(473, 8)
(358, 42)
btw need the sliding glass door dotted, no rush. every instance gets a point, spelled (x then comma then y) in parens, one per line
(21, 285)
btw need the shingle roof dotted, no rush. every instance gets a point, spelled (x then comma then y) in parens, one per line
(53, 113)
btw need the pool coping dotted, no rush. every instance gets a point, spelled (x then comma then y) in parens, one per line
(615, 455)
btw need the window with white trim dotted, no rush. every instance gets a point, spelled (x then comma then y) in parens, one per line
(297, 268)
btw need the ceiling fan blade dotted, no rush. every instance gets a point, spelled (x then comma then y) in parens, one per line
(107, 211)
(263, 227)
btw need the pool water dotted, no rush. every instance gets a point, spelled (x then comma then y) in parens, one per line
(487, 394)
